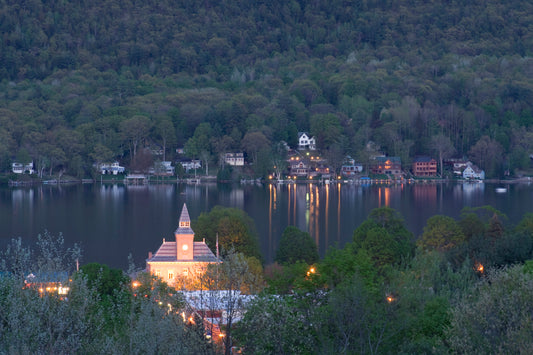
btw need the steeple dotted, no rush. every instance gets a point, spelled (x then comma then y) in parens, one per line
(184, 225)
(184, 237)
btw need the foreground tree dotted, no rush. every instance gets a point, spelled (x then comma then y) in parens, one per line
(296, 245)
(441, 233)
(384, 237)
(495, 316)
(225, 287)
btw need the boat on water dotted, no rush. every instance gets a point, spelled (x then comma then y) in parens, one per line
(501, 190)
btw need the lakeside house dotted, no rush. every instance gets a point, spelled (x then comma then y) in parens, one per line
(182, 259)
(387, 165)
(472, 172)
(20, 168)
(424, 166)
(349, 167)
(189, 164)
(110, 168)
(234, 159)
(162, 168)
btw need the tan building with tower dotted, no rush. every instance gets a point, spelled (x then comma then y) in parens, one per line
(182, 259)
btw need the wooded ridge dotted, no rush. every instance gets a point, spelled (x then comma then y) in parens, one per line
(90, 81)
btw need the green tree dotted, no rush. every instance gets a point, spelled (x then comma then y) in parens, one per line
(397, 243)
(234, 228)
(296, 245)
(253, 143)
(166, 133)
(277, 325)
(496, 314)
(444, 148)
(441, 233)
(134, 131)
(488, 154)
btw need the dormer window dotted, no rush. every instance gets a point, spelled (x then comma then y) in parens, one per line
(185, 224)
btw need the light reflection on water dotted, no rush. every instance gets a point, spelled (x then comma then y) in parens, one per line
(111, 221)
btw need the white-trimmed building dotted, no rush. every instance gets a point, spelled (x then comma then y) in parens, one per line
(305, 141)
(181, 258)
(234, 159)
(162, 168)
(20, 168)
(472, 172)
(191, 164)
(111, 168)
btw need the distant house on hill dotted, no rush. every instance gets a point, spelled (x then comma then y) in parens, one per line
(305, 141)
(424, 166)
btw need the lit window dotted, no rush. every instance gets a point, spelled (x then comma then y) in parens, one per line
(170, 275)
(185, 272)
(158, 273)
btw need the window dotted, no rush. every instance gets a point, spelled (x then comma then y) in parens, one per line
(170, 274)
(185, 272)
(158, 273)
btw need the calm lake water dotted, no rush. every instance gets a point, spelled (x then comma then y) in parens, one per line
(112, 221)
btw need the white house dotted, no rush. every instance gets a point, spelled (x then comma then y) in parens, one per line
(191, 164)
(350, 167)
(162, 168)
(473, 172)
(234, 159)
(111, 168)
(20, 168)
(306, 142)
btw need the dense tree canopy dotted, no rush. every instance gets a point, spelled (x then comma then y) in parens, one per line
(296, 245)
(234, 229)
(414, 78)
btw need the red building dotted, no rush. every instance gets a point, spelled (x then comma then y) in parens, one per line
(424, 166)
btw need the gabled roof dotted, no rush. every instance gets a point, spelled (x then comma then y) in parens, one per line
(168, 253)
(422, 159)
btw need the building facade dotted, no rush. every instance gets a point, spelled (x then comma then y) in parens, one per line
(387, 165)
(306, 142)
(182, 259)
(424, 166)
(234, 159)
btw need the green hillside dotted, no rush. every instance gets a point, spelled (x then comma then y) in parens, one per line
(88, 81)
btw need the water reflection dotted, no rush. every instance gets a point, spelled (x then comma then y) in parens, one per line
(112, 221)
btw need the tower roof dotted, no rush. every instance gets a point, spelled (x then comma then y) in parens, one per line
(184, 225)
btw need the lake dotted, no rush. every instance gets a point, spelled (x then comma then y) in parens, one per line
(111, 221)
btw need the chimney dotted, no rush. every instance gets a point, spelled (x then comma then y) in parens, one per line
(149, 255)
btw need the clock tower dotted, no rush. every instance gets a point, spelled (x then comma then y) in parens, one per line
(184, 237)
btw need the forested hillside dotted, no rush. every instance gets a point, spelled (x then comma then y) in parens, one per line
(90, 81)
